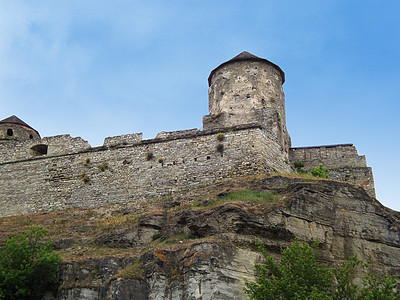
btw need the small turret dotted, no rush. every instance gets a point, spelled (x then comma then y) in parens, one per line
(13, 128)
(248, 89)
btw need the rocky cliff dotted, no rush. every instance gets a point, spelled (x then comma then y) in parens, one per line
(199, 243)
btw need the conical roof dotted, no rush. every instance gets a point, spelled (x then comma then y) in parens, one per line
(247, 56)
(15, 120)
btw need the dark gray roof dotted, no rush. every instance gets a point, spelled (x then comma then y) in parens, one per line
(15, 120)
(247, 56)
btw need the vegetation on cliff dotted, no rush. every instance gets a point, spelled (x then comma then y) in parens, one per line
(300, 276)
(28, 265)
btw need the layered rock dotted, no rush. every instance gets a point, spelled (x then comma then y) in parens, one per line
(216, 253)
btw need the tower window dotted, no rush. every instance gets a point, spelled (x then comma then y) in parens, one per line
(10, 132)
(31, 136)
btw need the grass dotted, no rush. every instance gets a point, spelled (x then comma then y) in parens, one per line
(84, 225)
(118, 222)
(306, 176)
(134, 271)
(247, 195)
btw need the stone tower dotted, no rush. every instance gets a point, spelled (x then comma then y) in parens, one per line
(248, 90)
(13, 128)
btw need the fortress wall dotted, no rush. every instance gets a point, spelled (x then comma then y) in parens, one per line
(343, 162)
(331, 156)
(361, 176)
(63, 144)
(124, 139)
(56, 182)
(56, 145)
(177, 134)
(14, 150)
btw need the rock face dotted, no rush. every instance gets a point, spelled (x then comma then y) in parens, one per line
(220, 254)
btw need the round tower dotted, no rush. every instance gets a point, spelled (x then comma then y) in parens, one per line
(13, 128)
(248, 89)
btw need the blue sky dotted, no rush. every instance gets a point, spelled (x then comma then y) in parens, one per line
(102, 68)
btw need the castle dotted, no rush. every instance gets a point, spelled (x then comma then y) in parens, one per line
(244, 134)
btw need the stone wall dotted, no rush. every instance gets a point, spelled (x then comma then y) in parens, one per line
(125, 139)
(342, 160)
(115, 174)
(331, 156)
(41, 148)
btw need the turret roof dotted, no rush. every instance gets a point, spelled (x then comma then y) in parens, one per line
(15, 120)
(247, 56)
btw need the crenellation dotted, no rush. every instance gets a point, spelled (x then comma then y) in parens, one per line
(177, 134)
(331, 156)
(64, 144)
(244, 134)
(125, 139)
(342, 160)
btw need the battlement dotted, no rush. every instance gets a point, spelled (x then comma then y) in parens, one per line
(342, 160)
(244, 134)
(331, 156)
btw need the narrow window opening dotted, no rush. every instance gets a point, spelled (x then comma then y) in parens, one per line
(31, 136)
(10, 132)
(208, 157)
(195, 159)
(39, 149)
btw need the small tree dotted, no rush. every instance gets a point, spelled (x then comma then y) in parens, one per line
(299, 165)
(28, 265)
(320, 172)
(299, 276)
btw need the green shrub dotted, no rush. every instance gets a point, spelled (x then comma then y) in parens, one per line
(190, 236)
(156, 236)
(320, 172)
(86, 162)
(85, 178)
(299, 275)
(103, 167)
(299, 165)
(149, 155)
(28, 265)
(220, 137)
(160, 160)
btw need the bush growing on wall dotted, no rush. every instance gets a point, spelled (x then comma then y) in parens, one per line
(299, 165)
(320, 172)
(28, 265)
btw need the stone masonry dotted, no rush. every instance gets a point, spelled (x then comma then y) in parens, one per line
(244, 134)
